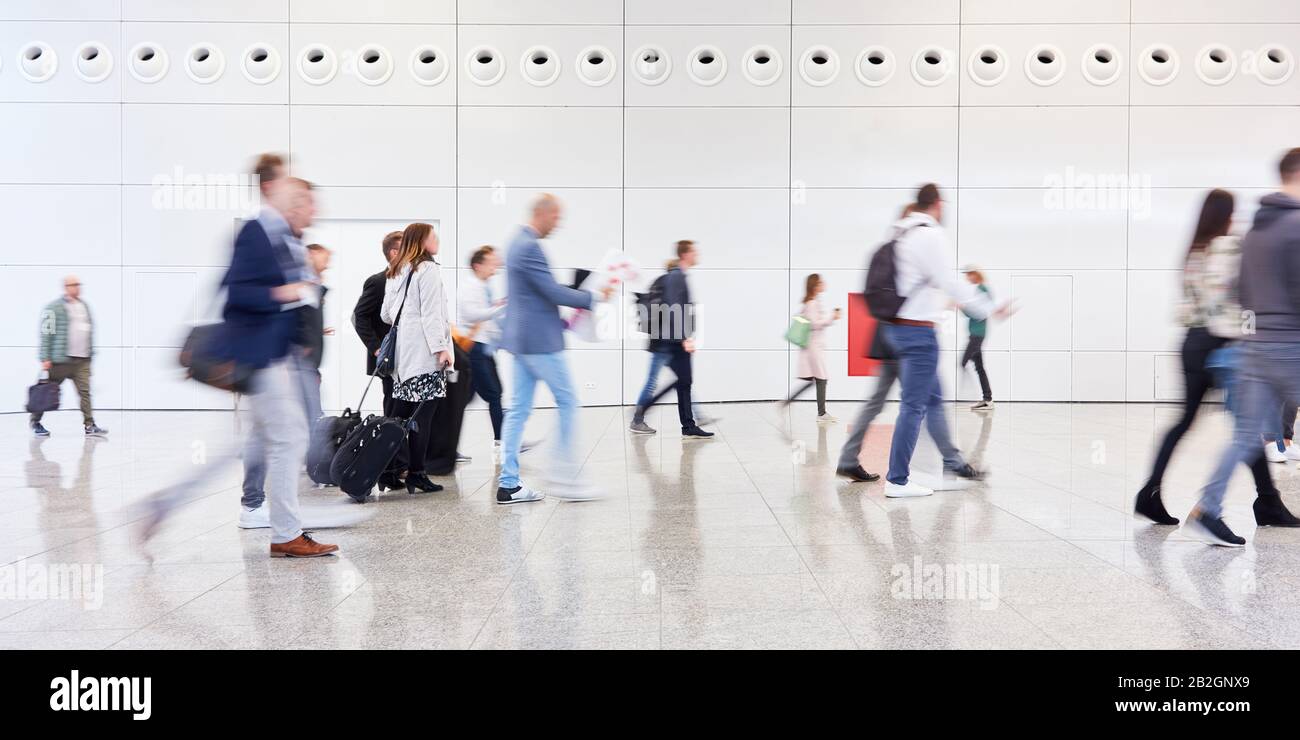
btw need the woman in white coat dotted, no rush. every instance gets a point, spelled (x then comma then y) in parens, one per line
(423, 342)
(812, 358)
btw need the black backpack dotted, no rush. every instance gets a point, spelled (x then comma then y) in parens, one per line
(646, 302)
(881, 293)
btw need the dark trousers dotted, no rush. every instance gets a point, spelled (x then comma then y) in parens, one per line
(1197, 347)
(444, 437)
(487, 384)
(417, 440)
(679, 361)
(820, 385)
(975, 353)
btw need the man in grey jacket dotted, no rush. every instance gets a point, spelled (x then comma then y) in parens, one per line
(533, 333)
(66, 346)
(1270, 365)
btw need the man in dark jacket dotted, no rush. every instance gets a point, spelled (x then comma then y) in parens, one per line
(365, 317)
(1270, 366)
(672, 331)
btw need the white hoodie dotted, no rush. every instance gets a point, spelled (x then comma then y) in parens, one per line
(923, 273)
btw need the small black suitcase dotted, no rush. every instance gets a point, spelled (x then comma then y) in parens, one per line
(366, 453)
(327, 435)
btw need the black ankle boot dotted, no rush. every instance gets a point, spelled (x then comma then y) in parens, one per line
(1149, 505)
(1271, 512)
(421, 482)
(389, 481)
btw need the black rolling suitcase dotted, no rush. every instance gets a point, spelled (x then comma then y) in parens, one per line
(327, 435)
(366, 453)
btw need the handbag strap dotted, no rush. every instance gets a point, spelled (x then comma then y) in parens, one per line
(405, 290)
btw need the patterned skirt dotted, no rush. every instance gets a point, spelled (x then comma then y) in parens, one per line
(422, 387)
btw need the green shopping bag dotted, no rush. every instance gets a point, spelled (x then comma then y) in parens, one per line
(800, 331)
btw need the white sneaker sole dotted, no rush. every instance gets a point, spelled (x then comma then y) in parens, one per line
(642, 431)
(906, 493)
(1197, 531)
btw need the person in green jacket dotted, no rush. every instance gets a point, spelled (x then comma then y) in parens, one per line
(67, 342)
(975, 344)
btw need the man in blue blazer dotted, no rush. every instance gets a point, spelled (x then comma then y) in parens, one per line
(264, 284)
(533, 333)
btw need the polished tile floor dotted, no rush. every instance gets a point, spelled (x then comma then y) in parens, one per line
(744, 541)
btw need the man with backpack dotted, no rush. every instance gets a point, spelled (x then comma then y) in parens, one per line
(909, 284)
(668, 316)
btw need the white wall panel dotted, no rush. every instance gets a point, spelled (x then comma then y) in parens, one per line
(162, 141)
(181, 226)
(1152, 306)
(39, 232)
(565, 42)
(540, 147)
(373, 11)
(1098, 309)
(848, 43)
(1046, 312)
(1032, 11)
(590, 227)
(873, 147)
(1041, 376)
(730, 317)
(1029, 228)
(348, 87)
(690, 12)
(398, 145)
(679, 89)
(1023, 146)
(541, 12)
(877, 11)
(840, 227)
(65, 10)
(1098, 376)
(706, 147)
(269, 11)
(61, 143)
(731, 227)
(1215, 11)
(1162, 141)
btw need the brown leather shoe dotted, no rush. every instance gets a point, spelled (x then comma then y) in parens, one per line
(303, 547)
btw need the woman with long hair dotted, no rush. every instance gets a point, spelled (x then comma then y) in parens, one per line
(1212, 315)
(415, 291)
(812, 357)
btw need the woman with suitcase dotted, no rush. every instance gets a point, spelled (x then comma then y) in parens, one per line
(415, 291)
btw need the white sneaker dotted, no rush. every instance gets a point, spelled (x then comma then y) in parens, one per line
(827, 419)
(523, 495)
(259, 518)
(911, 490)
(982, 406)
(576, 490)
(945, 482)
(1273, 454)
(1292, 453)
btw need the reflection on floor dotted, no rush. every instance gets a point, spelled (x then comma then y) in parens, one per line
(744, 541)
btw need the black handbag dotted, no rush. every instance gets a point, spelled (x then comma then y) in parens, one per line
(203, 365)
(42, 397)
(386, 358)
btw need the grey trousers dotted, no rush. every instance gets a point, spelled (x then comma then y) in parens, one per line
(279, 432)
(871, 409)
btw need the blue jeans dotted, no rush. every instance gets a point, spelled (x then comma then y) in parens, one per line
(658, 360)
(1269, 373)
(487, 384)
(552, 370)
(917, 348)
